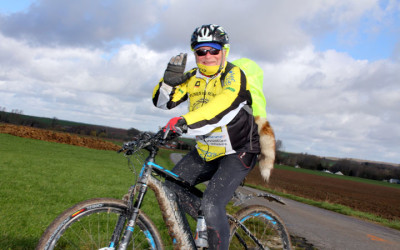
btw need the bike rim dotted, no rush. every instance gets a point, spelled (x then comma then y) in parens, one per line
(94, 229)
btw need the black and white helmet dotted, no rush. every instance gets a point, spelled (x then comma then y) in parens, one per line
(210, 33)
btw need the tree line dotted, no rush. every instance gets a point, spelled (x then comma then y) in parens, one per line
(362, 169)
(18, 118)
(369, 170)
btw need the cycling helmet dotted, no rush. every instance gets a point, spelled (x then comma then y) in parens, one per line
(210, 33)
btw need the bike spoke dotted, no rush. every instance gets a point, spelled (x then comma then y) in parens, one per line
(258, 228)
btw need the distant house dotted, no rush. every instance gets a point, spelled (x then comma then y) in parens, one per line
(395, 181)
(339, 173)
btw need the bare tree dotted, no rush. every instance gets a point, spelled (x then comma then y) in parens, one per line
(54, 122)
(17, 111)
(279, 145)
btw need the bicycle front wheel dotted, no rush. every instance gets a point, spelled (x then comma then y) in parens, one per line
(263, 224)
(90, 225)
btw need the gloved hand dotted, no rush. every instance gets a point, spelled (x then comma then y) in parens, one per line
(174, 74)
(176, 125)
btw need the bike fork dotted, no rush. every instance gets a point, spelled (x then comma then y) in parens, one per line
(117, 231)
(132, 220)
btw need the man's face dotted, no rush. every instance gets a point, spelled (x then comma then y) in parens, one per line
(208, 59)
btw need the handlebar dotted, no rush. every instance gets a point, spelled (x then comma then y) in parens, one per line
(144, 140)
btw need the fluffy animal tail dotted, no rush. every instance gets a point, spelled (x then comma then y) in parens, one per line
(267, 143)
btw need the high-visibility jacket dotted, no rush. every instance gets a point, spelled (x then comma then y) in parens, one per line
(217, 114)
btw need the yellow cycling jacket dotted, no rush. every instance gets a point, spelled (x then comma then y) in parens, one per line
(216, 113)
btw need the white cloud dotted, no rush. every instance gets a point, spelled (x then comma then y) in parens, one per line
(59, 79)
(333, 102)
(98, 62)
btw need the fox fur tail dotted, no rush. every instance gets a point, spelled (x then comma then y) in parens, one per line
(267, 143)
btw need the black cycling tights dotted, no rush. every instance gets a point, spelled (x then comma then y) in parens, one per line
(224, 175)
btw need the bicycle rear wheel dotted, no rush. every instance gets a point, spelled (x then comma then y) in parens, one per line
(264, 224)
(90, 225)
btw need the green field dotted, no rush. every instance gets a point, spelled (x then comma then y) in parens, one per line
(42, 179)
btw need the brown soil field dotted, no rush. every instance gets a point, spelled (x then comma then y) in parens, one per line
(52, 136)
(378, 200)
(375, 199)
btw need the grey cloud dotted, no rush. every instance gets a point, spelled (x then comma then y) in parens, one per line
(81, 23)
(268, 35)
(396, 51)
(263, 30)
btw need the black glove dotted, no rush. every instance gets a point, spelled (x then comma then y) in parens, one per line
(174, 74)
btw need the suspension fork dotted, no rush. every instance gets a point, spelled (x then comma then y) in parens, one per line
(118, 230)
(134, 210)
(134, 215)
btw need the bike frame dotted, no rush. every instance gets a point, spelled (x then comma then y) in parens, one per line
(172, 213)
(129, 214)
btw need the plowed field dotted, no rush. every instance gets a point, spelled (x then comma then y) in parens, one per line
(52, 136)
(378, 200)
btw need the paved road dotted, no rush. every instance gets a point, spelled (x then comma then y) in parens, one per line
(329, 230)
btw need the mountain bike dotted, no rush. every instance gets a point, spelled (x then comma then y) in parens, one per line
(107, 223)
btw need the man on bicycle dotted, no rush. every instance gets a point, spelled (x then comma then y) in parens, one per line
(227, 141)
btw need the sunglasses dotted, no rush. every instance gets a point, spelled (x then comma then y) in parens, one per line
(203, 52)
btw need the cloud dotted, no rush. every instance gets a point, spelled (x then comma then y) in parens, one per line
(81, 23)
(98, 61)
(59, 78)
(330, 100)
(274, 29)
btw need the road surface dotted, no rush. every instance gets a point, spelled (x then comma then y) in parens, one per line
(326, 229)
(329, 230)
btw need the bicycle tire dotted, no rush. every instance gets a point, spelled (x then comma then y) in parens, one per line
(90, 225)
(264, 224)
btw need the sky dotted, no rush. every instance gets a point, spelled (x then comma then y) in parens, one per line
(331, 68)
